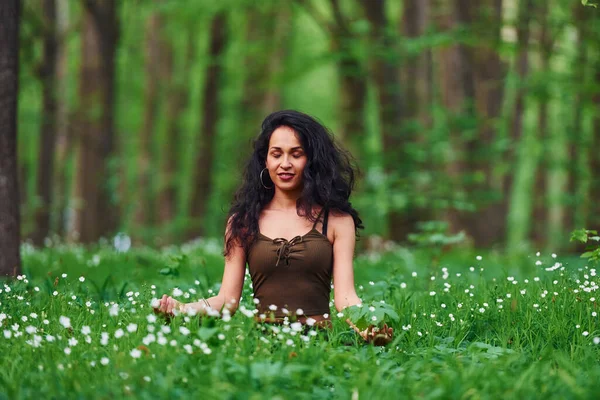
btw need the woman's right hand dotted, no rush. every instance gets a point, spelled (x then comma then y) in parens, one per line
(167, 305)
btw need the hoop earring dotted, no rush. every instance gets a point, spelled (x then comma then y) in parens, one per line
(261, 180)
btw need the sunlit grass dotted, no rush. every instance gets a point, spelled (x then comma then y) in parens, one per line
(79, 323)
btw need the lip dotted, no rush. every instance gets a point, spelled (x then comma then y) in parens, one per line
(285, 176)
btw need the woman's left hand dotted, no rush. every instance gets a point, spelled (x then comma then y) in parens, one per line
(379, 337)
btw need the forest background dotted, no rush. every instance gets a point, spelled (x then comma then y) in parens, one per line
(137, 116)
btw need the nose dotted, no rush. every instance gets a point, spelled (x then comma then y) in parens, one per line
(286, 162)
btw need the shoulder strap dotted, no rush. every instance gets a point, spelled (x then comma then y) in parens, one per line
(324, 219)
(318, 218)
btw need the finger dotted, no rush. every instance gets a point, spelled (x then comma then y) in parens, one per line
(169, 305)
(163, 303)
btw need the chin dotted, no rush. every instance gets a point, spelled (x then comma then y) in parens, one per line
(291, 187)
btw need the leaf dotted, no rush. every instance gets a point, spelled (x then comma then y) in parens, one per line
(580, 235)
(587, 254)
(206, 333)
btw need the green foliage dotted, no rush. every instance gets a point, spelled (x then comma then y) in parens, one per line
(375, 313)
(173, 266)
(302, 67)
(584, 235)
(435, 234)
(459, 332)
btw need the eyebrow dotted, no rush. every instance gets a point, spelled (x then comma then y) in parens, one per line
(293, 148)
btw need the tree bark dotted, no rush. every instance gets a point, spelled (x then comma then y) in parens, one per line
(177, 100)
(594, 160)
(210, 116)
(96, 214)
(456, 84)
(265, 53)
(154, 53)
(576, 207)
(518, 223)
(595, 155)
(10, 236)
(523, 34)
(353, 82)
(540, 210)
(398, 159)
(481, 75)
(45, 173)
(352, 75)
(63, 131)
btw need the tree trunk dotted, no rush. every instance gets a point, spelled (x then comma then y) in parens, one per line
(522, 68)
(177, 100)
(10, 236)
(595, 155)
(95, 215)
(417, 85)
(481, 75)
(396, 138)
(48, 125)
(454, 80)
(518, 217)
(63, 136)
(576, 207)
(154, 53)
(540, 211)
(210, 116)
(353, 84)
(265, 52)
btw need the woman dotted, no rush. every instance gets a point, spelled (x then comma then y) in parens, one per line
(292, 223)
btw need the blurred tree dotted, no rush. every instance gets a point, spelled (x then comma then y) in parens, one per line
(547, 39)
(154, 60)
(203, 169)
(594, 160)
(346, 47)
(475, 95)
(399, 159)
(96, 213)
(268, 27)
(353, 76)
(517, 208)
(452, 94)
(63, 117)
(10, 237)
(177, 100)
(594, 153)
(576, 207)
(417, 83)
(47, 75)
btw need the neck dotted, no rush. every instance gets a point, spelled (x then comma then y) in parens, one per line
(285, 200)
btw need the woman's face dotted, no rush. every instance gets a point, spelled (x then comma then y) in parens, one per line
(286, 159)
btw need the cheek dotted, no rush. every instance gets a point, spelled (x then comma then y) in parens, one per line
(302, 164)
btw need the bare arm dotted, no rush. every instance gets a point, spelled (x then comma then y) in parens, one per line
(344, 292)
(229, 293)
(231, 285)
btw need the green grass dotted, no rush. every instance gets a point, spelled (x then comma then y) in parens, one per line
(499, 327)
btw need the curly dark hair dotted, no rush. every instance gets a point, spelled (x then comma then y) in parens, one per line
(328, 178)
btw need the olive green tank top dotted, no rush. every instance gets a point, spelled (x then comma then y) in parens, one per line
(294, 274)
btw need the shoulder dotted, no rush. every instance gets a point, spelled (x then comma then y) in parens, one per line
(341, 223)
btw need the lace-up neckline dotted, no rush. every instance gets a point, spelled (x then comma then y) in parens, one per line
(285, 247)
